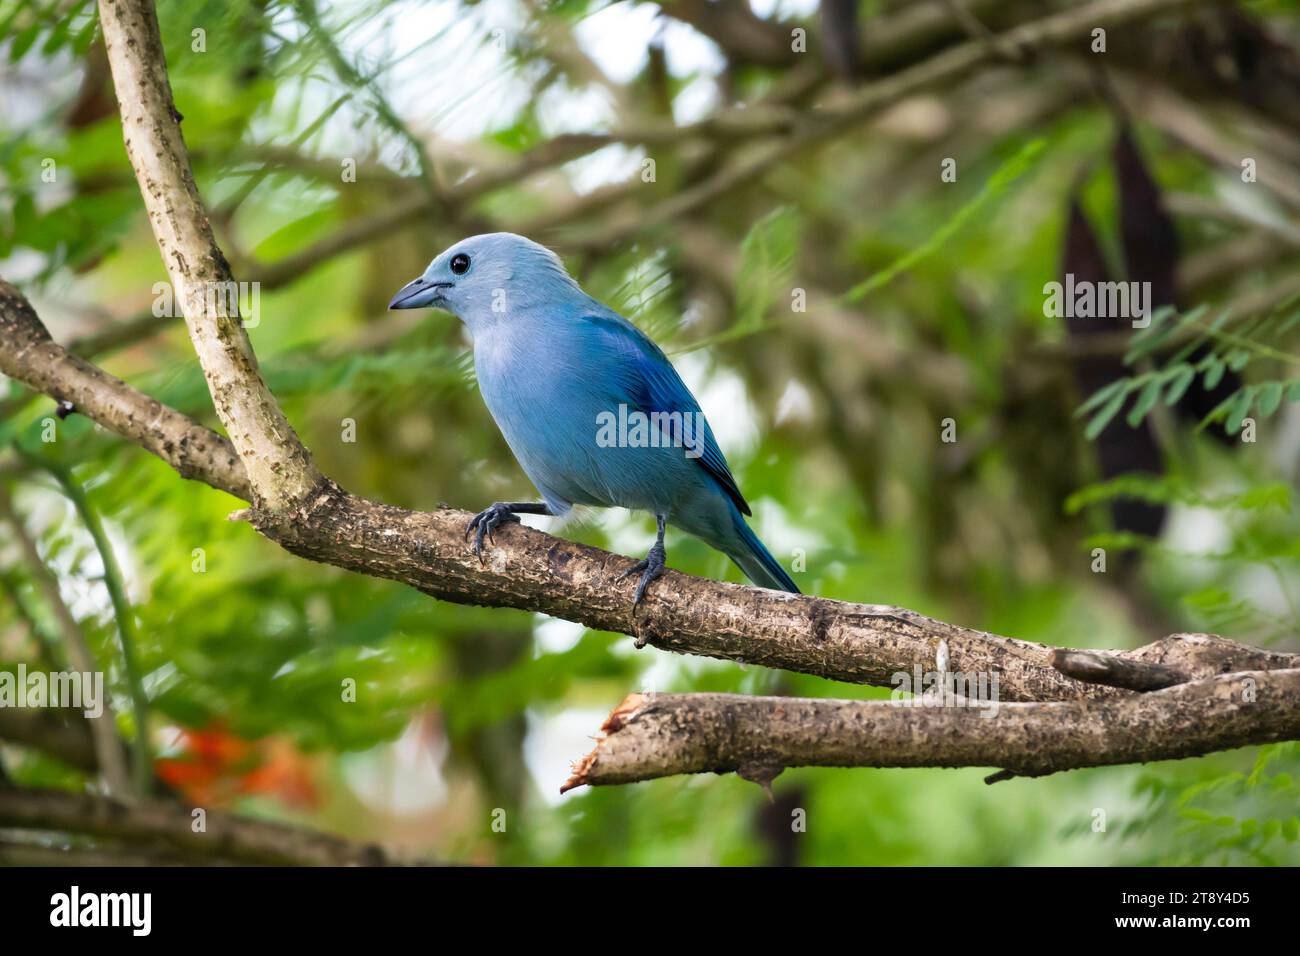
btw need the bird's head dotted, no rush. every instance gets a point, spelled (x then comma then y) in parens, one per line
(484, 278)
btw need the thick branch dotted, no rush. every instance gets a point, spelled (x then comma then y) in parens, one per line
(757, 737)
(859, 643)
(28, 355)
(528, 569)
(280, 469)
(224, 836)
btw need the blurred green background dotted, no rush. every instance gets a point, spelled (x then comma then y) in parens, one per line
(831, 417)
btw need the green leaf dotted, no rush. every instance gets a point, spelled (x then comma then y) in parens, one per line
(1102, 395)
(1146, 401)
(1179, 383)
(1270, 398)
(58, 37)
(1213, 372)
(1276, 494)
(767, 256)
(85, 36)
(1238, 409)
(1103, 417)
(1147, 340)
(1157, 490)
(1002, 178)
(1238, 359)
(1289, 322)
(23, 42)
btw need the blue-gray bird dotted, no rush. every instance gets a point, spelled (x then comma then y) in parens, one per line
(591, 407)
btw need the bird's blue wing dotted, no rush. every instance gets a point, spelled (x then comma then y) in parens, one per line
(651, 384)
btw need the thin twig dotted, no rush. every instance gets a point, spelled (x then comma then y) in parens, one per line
(109, 749)
(124, 614)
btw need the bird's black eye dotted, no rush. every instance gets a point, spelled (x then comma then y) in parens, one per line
(460, 263)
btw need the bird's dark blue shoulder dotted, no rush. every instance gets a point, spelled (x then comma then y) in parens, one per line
(651, 384)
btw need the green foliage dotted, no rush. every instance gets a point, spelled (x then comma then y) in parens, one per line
(827, 418)
(1218, 816)
(1227, 345)
(768, 256)
(1170, 489)
(997, 185)
(767, 259)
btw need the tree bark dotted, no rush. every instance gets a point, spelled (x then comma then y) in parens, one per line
(757, 737)
(280, 469)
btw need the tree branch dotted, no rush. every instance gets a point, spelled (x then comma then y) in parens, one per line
(733, 26)
(280, 469)
(528, 569)
(885, 41)
(38, 852)
(30, 356)
(66, 737)
(757, 737)
(225, 836)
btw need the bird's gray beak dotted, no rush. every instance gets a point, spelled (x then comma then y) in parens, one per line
(418, 294)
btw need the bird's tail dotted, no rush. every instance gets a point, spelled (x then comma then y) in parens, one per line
(755, 560)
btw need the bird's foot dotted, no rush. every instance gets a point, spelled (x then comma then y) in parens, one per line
(650, 567)
(485, 522)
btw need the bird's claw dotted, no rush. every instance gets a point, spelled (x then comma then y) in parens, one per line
(650, 567)
(485, 522)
